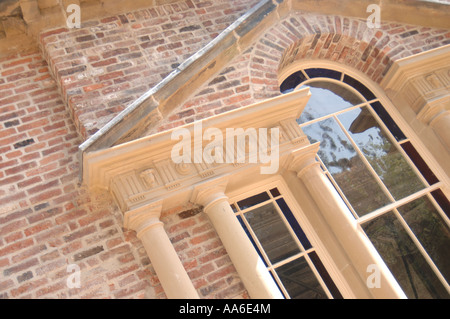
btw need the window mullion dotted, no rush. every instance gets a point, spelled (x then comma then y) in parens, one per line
(325, 117)
(382, 210)
(366, 162)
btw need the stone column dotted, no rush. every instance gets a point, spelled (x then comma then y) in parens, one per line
(150, 230)
(250, 267)
(358, 247)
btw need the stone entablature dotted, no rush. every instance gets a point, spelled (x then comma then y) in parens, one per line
(142, 171)
(419, 86)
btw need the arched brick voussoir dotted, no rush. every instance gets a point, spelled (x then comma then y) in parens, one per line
(371, 58)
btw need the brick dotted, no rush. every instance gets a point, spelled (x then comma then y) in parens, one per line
(32, 251)
(25, 276)
(38, 228)
(24, 143)
(27, 287)
(45, 196)
(81, 233)
(20, 267)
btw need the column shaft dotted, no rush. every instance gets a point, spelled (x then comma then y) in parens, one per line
(167, 265)
(163, 257)
(246, 260)
(358, 247)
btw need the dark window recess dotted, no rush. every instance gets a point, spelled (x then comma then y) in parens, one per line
(292, 82)
(251, 239)
(252, 201)
(420, 163)
(325, 276)
(275, 192)
(294, 224)
(442, 200)
(388, 121)
(323, 73)
(360, 87)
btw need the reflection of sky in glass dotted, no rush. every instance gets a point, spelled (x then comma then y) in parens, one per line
(347, 168)
(327, 98)
(368, 138)
(384, 157)
(335, 148)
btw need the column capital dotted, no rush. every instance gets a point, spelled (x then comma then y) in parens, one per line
(210, 191)
(141, 218)
(302, 158)
(434, 109)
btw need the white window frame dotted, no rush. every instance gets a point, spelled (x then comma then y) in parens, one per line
(278, 182)
(411, 137)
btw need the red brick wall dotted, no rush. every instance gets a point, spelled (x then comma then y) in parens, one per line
(108, 63)
(48, 221)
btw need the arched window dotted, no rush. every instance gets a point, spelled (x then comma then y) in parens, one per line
(390, 190)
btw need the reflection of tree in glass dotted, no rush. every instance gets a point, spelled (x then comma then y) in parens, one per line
(403, 258)
(383, 156)
(432, 232)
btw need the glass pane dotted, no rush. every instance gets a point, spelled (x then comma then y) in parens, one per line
(299, 280)
(292, 82)
(275, 192)
(387, 161)
(294, 224)
(403, 258)
(272, 233)
(324, 275)
(327, 98)
(420, 163)
(360, 87)
(442, 200)
(252, 201)
(324, 73)
(388, 121)
(432, 232)
(337, 153)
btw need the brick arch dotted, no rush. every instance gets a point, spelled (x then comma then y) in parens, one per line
(371, 58)
(343, 40)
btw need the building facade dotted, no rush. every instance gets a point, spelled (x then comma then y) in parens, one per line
(224, 149)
